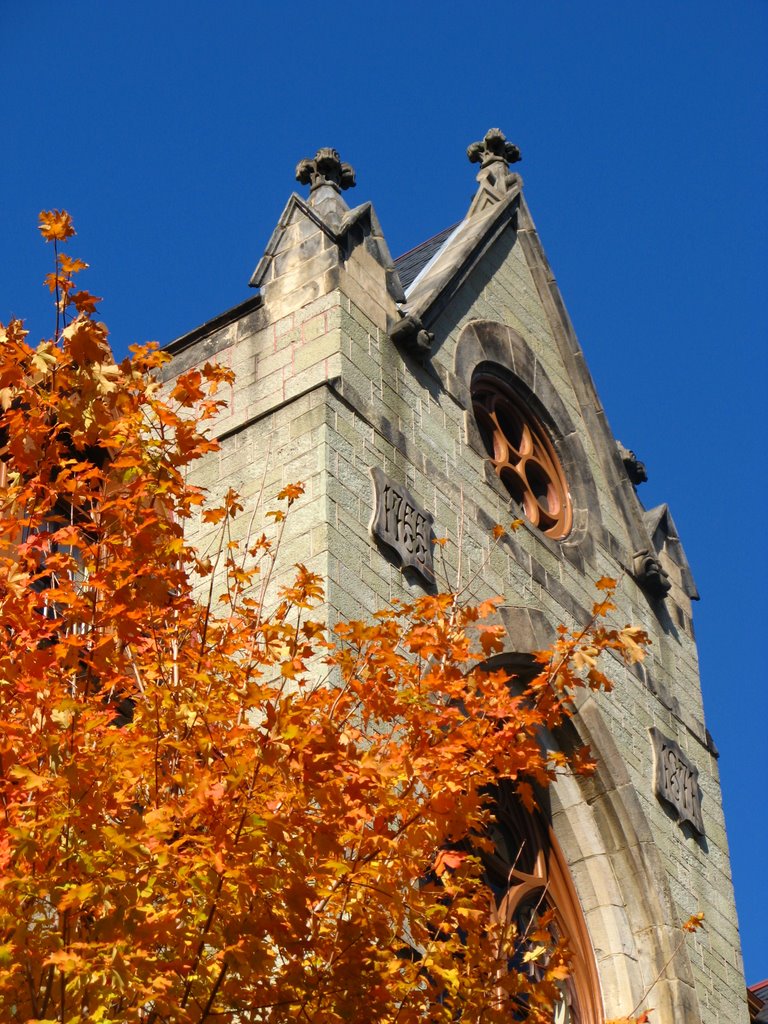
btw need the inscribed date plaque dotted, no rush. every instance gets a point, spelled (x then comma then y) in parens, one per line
(677, 780)
(402, 524)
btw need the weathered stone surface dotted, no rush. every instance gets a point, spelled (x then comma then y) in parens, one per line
(528, 629)
(323, 394)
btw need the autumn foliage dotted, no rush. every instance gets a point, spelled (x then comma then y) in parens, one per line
(213, 807)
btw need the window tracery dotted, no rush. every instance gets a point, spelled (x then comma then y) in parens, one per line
(522, 454)
(531, 887)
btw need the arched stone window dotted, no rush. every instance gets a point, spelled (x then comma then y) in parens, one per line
(527, 875)
(522, 454)
(488, 347)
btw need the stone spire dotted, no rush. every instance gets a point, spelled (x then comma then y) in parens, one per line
(494, 154)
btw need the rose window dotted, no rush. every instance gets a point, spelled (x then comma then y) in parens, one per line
(522, 455)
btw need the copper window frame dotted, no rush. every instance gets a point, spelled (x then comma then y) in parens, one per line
(522, 454)
(532, 872)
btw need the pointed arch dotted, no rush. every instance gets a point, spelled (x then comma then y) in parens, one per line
(608, 875)
(529, 876)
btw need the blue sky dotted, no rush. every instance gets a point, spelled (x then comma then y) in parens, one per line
(171, 131)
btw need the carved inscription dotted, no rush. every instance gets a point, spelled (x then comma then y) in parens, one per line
(677, 780)
(402, 524)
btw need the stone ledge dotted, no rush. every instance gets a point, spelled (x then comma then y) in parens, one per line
(185, 341)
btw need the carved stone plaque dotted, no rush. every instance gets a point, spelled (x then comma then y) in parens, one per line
(677, 780)
(402, 524)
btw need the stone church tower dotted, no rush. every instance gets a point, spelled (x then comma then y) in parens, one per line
(443, 393)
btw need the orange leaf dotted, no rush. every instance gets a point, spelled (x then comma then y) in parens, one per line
(582, 761)
(291, 492)
(605, 583)
(56, 224)
(448, 860)
(70, 265)
(84, 302)
(214, 515)
(87, 341)
(491, 639)
(525, 792)
(694, 922)
(187, 389)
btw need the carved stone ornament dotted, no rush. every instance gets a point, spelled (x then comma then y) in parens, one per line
(493, 146)
(677, 780)
(410, 333)
(636, 470)
(402, 524)
(650, 574)
(325, 168)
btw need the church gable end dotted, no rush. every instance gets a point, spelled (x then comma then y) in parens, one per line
(442, 394)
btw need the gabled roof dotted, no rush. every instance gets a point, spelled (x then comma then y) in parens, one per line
(433, 272)
(443, 263)
(758, 1002)
(411, 263)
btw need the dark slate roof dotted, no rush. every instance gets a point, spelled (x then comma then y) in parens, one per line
(411, 263)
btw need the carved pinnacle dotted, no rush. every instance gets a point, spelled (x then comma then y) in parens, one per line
(493, 146)
(325, 168)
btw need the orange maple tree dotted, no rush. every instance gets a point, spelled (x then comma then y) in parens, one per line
(215, 808)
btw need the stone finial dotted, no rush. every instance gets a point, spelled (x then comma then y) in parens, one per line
(325, 168)
(496, 184)
(492, 147)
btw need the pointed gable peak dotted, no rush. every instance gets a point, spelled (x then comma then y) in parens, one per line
(664, 537)
(493, 209)
(315, 235)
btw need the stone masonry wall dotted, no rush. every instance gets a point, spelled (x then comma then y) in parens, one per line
(397, 416)
(322, 395)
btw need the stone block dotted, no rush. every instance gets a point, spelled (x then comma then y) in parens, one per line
(316, 351)
(295, 234)
(314, 327)
(366, 302)
(292, 257)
